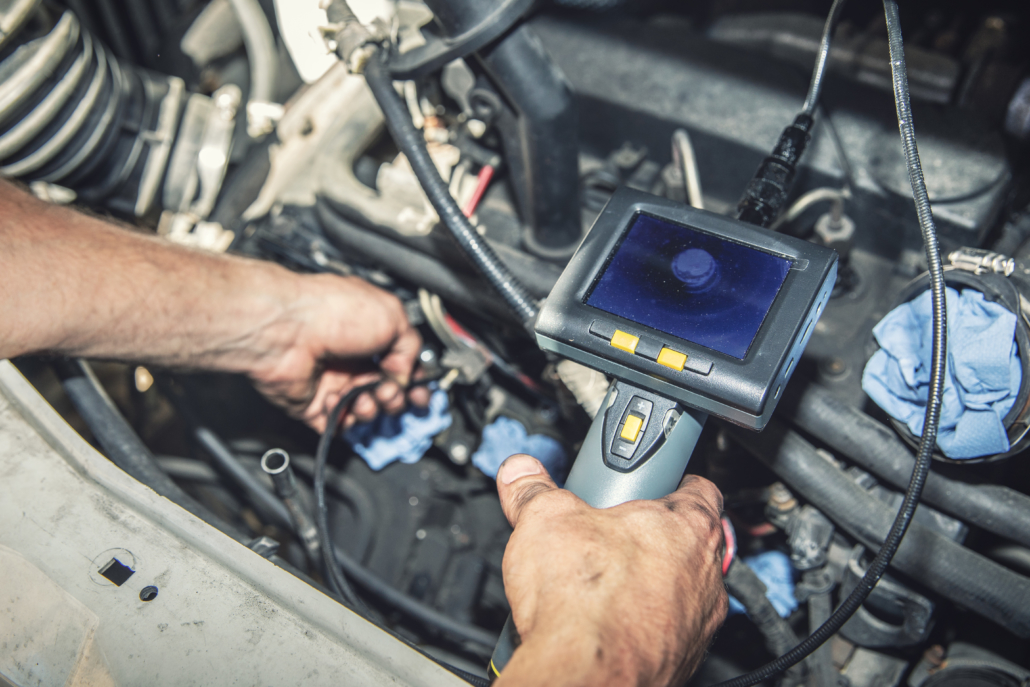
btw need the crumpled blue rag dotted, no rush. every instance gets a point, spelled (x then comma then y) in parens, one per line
(775, 571)
(505, 437)
(405, 437)
(983, 371)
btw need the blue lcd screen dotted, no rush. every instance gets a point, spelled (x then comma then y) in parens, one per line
(692, 285)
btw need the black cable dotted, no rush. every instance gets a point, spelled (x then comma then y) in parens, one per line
(412, 143)
(259, 495)
(933, 408)
(338, 582)
(336, 579)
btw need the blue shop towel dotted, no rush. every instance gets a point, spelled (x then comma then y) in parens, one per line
(505, 437)
(405, 437)
(775, 571)
(983, 371)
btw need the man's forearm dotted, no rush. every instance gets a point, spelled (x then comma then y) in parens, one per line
(75, 284)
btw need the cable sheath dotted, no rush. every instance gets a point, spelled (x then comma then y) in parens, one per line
(928, 442)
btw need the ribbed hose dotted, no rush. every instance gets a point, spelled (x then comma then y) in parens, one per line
(121, 443)
(71, 114)
(877, 448)
(928, 442)
(933, 560)
(413, 145)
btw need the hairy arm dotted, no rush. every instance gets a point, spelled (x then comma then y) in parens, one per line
(77, 285)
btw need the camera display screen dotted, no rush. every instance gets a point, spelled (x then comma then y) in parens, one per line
(698, 287)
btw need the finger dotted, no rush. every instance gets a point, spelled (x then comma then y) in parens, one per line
(364, 408)
(697, 495)
(419, 396)
(520, 480)
(390, 397)
(399, 361)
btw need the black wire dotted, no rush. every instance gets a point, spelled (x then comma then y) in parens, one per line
(413, 144)
(336, 579)
(933, 407)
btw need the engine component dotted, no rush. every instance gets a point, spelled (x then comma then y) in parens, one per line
(74, 115)
(950, 570)
(995, 508)
(893, 615)
(117, 135)
(969, 666)
(745, 586)
(539, 128)
(998, 289)
(461, 27)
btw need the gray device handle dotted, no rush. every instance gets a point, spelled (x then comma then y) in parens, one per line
(601, 486)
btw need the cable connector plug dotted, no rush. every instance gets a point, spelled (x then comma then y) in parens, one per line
(766, 194)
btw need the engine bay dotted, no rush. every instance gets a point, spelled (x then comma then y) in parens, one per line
(534, 119)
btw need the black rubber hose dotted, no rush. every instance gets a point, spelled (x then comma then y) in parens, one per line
(412, 265)
(263, 500)
(876, 448)
(746, 587)
(412, 143)
(121, 443)
(540, 142)
(357, 498)
(928, 442)
(925, 555)
(337, 581)
(412, 607)
(355, 570)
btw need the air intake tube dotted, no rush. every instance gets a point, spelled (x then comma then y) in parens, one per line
(73, 115)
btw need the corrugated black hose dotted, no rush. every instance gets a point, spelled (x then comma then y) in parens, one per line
(928, 442)
(412, 143)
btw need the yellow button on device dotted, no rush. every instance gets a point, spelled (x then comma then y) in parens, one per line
(673, 359)
(631, 429)
(624, 341)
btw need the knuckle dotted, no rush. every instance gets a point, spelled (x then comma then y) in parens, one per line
(524, 499)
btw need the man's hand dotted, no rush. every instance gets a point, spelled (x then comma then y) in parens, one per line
(630, 595)
(325, 344)
(76, 285)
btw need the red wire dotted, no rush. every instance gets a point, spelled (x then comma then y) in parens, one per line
(482, 181)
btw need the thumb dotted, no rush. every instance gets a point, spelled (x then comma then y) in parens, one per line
(520, 480)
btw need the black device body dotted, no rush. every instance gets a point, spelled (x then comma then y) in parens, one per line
(736, 335)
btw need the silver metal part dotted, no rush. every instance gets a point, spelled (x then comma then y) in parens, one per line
(276, 464)
(223, 615)
(980, 261)
(197, 169)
